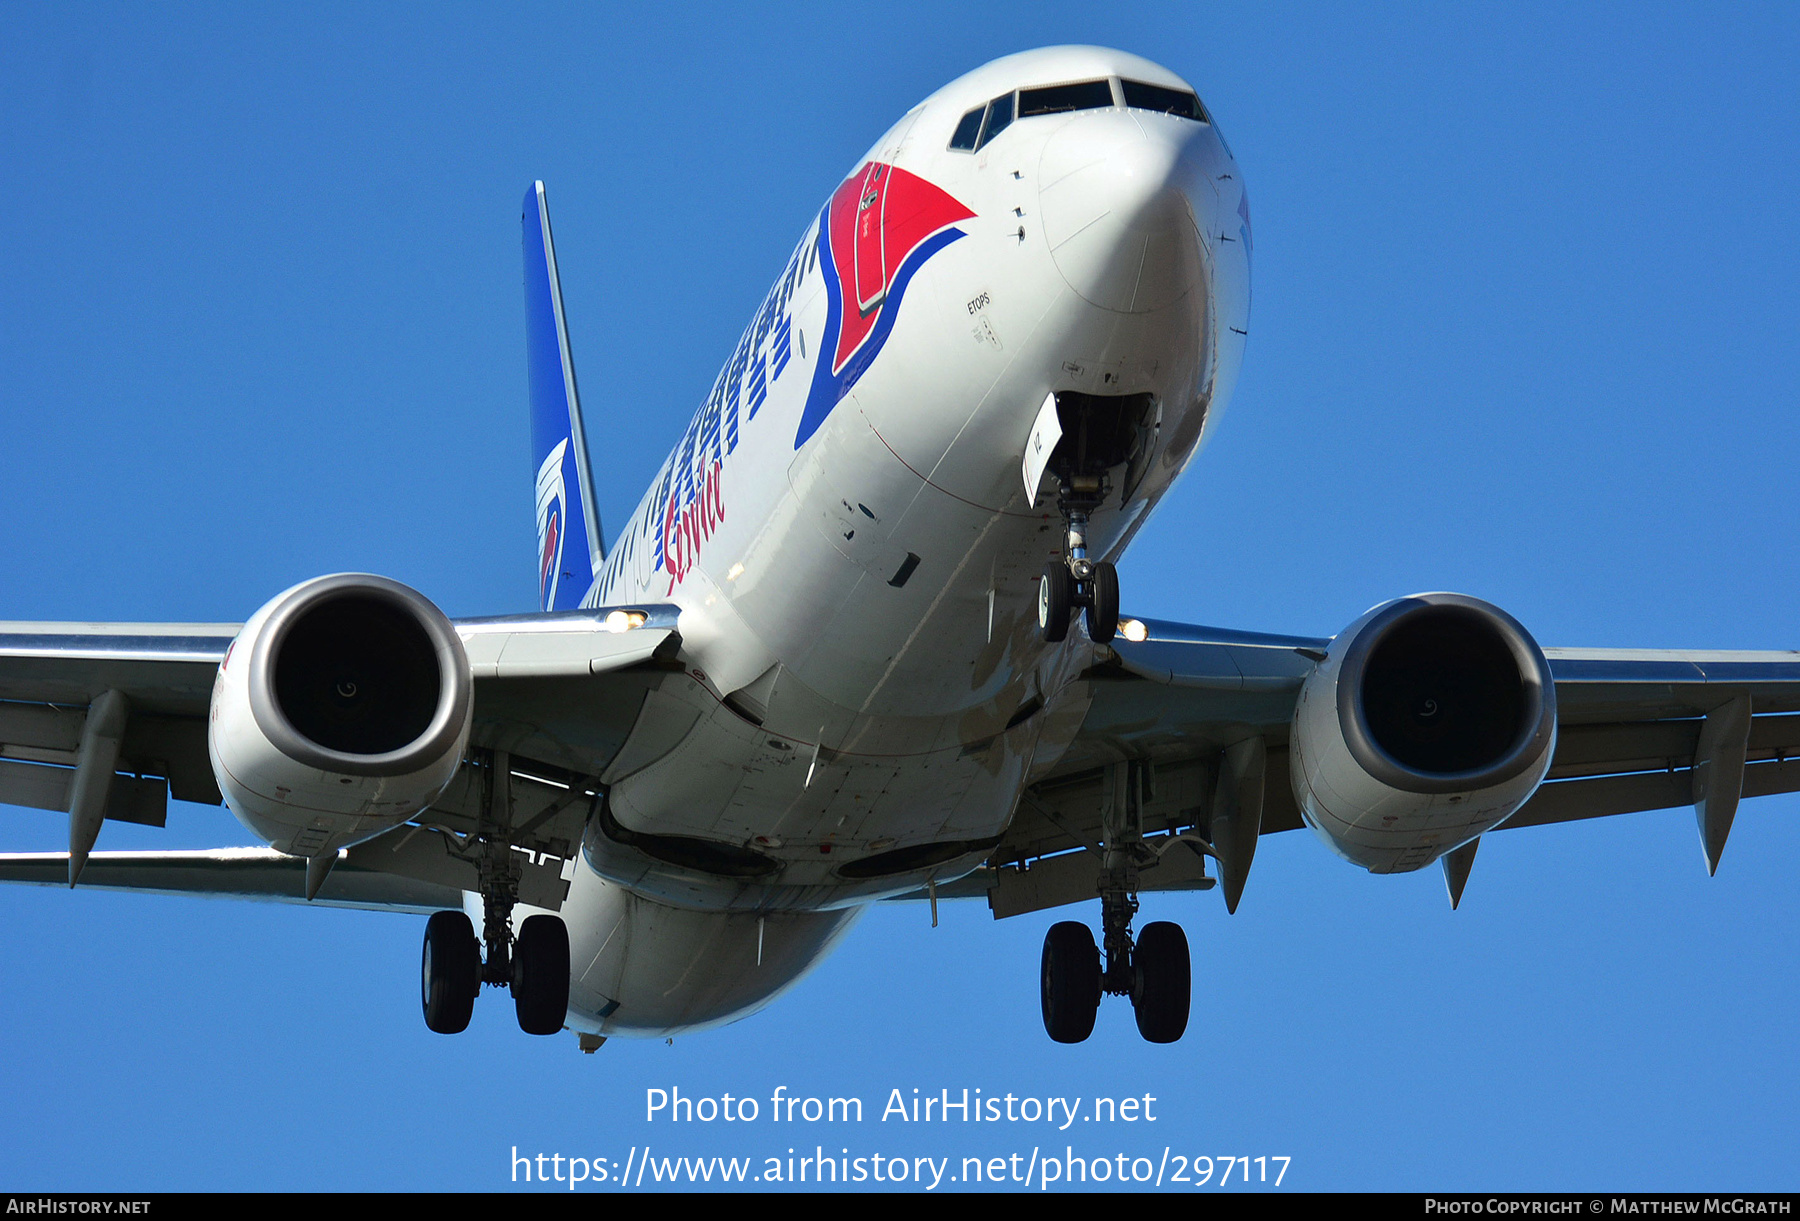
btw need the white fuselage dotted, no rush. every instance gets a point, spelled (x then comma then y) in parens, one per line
(847, 532)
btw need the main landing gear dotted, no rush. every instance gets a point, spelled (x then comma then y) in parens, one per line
(452, 973)
(1153, 970)
(1154, 973)
(534, 964)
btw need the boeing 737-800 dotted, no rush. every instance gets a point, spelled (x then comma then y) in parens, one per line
(862, 637)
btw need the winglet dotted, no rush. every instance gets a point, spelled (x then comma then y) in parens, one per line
(570, 545)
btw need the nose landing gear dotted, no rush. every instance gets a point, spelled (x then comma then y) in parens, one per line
(1075, 580)
(1095, 437)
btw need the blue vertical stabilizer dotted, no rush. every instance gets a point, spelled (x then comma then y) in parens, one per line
(570, 546)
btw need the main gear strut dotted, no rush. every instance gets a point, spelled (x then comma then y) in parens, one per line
(534, 964)
(1153, 970)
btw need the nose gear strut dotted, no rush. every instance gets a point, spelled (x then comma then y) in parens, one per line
(1096, 437)
(1075, 580)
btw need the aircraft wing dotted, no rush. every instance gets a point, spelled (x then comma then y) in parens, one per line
(556, 694)
(1630, 728)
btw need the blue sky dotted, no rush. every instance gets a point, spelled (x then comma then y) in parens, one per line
(1524, 327)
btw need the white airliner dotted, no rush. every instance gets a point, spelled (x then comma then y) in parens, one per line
(861, 638)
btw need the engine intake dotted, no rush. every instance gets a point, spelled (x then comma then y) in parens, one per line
(1432, 719)
(343, 708)
(1440, 694)
(359, 674)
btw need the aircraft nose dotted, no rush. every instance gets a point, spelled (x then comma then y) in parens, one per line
(1121, 209)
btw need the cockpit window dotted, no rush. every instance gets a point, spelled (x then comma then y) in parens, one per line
(1085, 95)
(979, 126)
(999, 118)
(1140, 96)
(968, 130)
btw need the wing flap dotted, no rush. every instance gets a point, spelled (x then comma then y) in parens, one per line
(1598, 797)
(233, 873)
(1598, 750)
(1064, 813)
(43, 786)
(429, 855)
(1070, 877)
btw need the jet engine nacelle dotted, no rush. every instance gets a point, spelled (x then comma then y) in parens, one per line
(341, 710)
(1431, 720)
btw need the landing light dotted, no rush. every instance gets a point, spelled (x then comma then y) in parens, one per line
(624, 621)
(1134, 631)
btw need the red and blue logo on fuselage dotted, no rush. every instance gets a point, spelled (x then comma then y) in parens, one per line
(877, 231)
